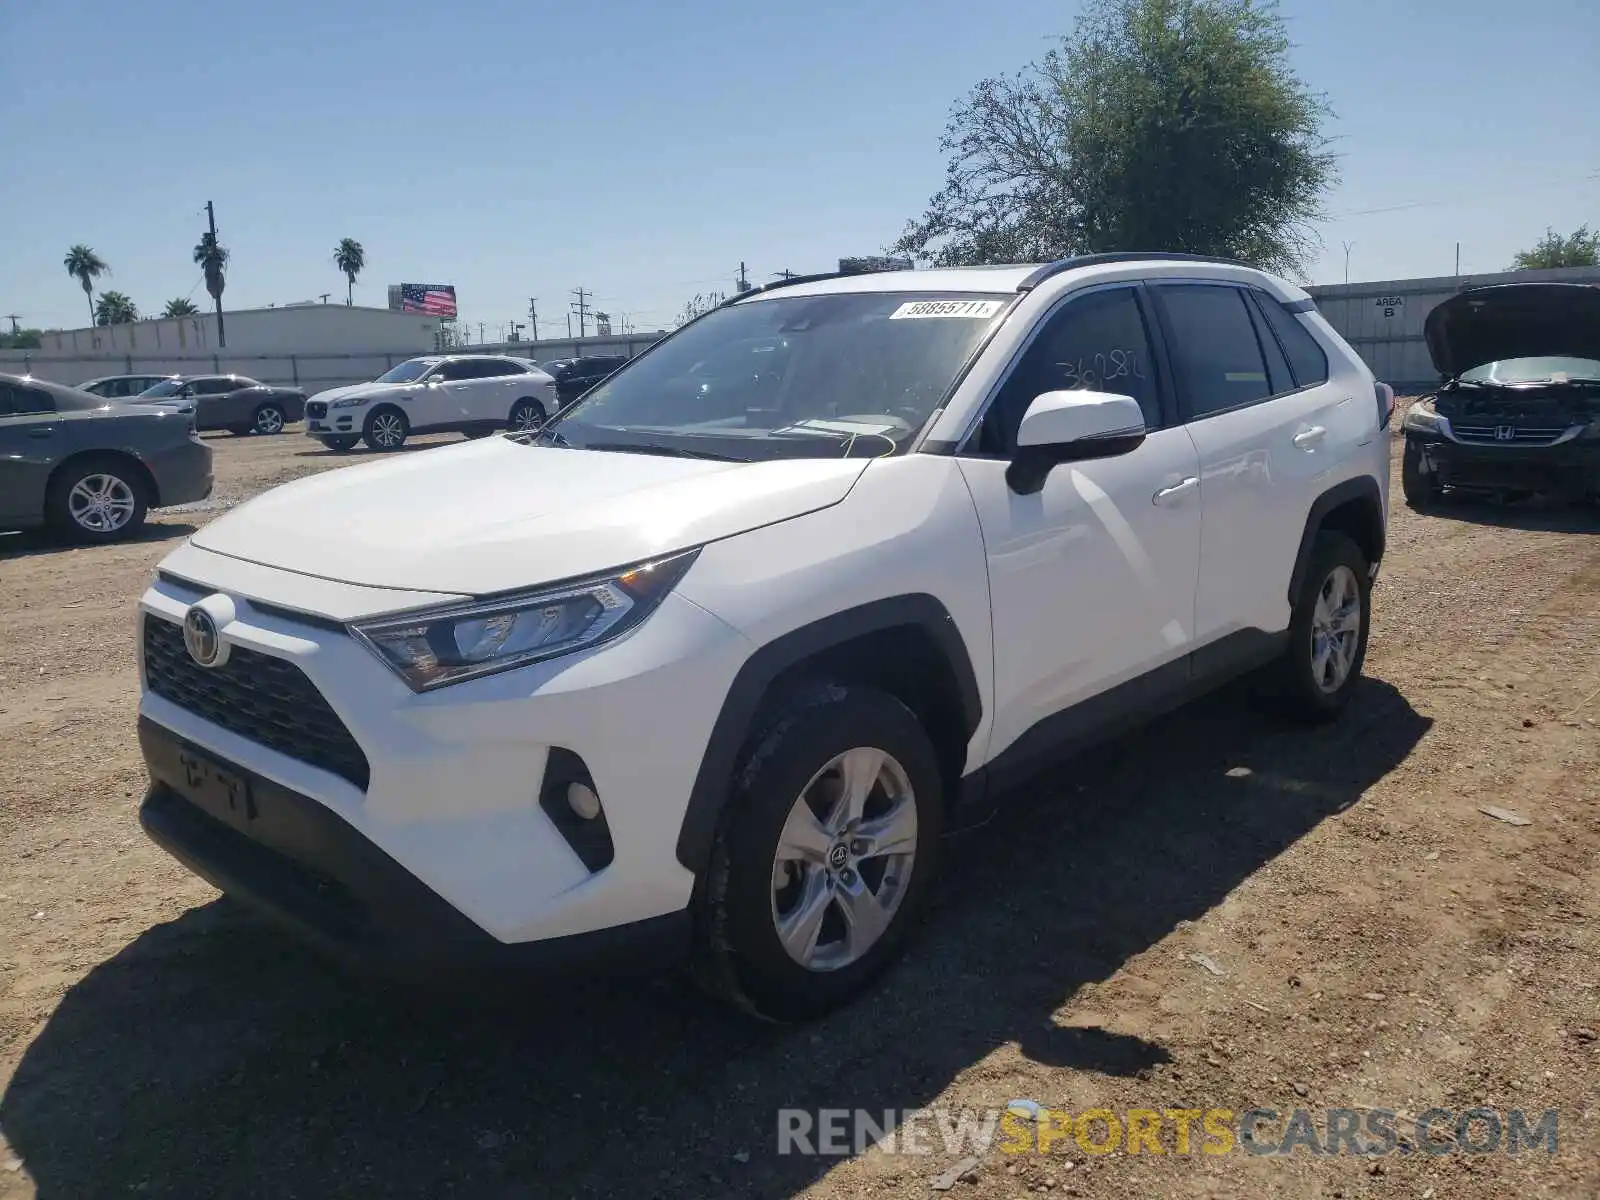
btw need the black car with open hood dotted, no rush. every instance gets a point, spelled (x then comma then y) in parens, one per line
(1519, 408)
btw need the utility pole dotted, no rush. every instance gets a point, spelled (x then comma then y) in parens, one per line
(211, 220)
(325, 296)
(12, 317)
(1347, 246)
(1458, 265)
(580, 306)
(742, 284)
(480, 333)
(784, 274)
(533, 316)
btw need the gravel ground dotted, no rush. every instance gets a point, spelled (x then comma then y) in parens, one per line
(1222, 910)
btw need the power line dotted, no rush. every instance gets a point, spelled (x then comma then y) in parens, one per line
(580, 308)
(1462, 197)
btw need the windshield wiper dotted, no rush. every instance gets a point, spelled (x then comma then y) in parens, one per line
(665, 451)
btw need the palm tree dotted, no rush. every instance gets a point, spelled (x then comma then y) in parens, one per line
(113, 308)
(84, 265)
(350, 258)
(181, 307)
(212, 259)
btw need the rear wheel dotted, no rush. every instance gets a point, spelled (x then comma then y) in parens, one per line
(527, 415)
(386, 429)
(269, 419)
(98, 500)
(1419, 484)
(343, 443)
(824, 856)
(1328, 628)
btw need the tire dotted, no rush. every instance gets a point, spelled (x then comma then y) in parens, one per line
(98, 500)
(1421, 492)
(1318, 687)
(343, 443)
(526, 416)
(269, 419)
(751, 887)
(386, 429)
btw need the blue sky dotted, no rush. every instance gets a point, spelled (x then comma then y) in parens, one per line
(642, 150)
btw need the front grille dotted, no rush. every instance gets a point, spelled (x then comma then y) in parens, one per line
(268, 700)
(317, 408)
(1521, 435)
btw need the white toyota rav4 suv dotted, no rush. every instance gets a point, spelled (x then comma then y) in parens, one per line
(707, 665)
(474, 394)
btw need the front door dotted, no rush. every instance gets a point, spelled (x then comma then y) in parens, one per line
(30, 447)
(1092, 579)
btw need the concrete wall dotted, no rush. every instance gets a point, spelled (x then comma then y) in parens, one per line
(313, 372)
(552, 348)
(298, 329)
(1383, 320)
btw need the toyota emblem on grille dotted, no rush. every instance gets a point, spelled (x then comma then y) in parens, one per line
(1505, 433)
(200, 636)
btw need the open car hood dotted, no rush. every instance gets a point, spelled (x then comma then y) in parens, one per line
(1513, 320)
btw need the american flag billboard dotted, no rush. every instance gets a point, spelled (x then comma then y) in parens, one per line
(429, 299)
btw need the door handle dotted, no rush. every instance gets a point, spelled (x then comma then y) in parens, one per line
(1307, 438)
(41, 432)
(1171, 495)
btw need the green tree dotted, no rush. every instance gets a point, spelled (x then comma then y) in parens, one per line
(21, 339)
(1155, 125)
(699, 303)
(181, 307)
(84, 265)
(350, 258)
(113, 308)
(212, 259)
(1582, 249)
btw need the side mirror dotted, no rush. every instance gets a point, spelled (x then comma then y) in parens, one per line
(1072, 426)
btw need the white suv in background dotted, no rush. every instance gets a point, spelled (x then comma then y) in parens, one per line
(474, 394)
(707, 665)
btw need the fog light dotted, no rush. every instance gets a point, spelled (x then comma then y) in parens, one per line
(582, 800)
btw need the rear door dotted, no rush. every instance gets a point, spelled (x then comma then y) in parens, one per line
(210, 400)
(1262, 445)
(30, 447)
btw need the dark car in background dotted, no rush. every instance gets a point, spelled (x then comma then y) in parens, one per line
(232, 402)
(121, 387)
(576, 376)
(91, 468)
(1519, 411)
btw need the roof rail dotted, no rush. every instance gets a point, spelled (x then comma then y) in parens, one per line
(1050, 270)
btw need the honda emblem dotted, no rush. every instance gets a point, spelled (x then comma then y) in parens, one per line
(1505, 433)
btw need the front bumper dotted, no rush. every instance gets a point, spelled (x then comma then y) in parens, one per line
(323, 421)
(453, 797)
(292, 859)
(1567, 468)
(182, 473)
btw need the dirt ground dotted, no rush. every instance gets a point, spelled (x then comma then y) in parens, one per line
(1366, 937)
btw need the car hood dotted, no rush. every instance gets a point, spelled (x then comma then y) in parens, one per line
(497, 515)
(1513, 320)
(365, 389)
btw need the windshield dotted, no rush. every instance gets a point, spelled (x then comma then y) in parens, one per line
(842, 375)
(407, 372)
(1545, 369)
(167, 387)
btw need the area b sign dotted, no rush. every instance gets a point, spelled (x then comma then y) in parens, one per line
(1391, 304)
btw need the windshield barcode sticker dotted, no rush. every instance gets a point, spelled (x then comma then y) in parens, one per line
(945, 308)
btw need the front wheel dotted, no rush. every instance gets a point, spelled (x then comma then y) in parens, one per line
(343, 443)
(386, 429)
(269, 419)
(1328, 628)
(527, 416)
(824, 856)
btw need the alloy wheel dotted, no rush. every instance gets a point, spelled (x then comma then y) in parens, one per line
(101, 503)
(388, 430)
(269, 420)
(844, 859)
(1335, 629)
(527, 418)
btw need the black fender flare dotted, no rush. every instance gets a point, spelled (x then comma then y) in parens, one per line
(1363, 488)
(742, 704)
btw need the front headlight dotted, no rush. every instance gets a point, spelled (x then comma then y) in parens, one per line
(1423, 419)
(431, 648)
(349, 402)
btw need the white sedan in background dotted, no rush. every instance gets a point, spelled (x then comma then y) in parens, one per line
(474, 394)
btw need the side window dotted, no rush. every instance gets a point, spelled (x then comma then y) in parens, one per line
(1306, 359)
(18, 401)
(1215, 355)
(460, 368)
(215, 387)
(503, 367)
(1278, 375)
(1096, 342)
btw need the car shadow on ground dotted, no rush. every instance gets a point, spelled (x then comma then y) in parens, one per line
(212, 1057)
(1545, 516)
(32, 542)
